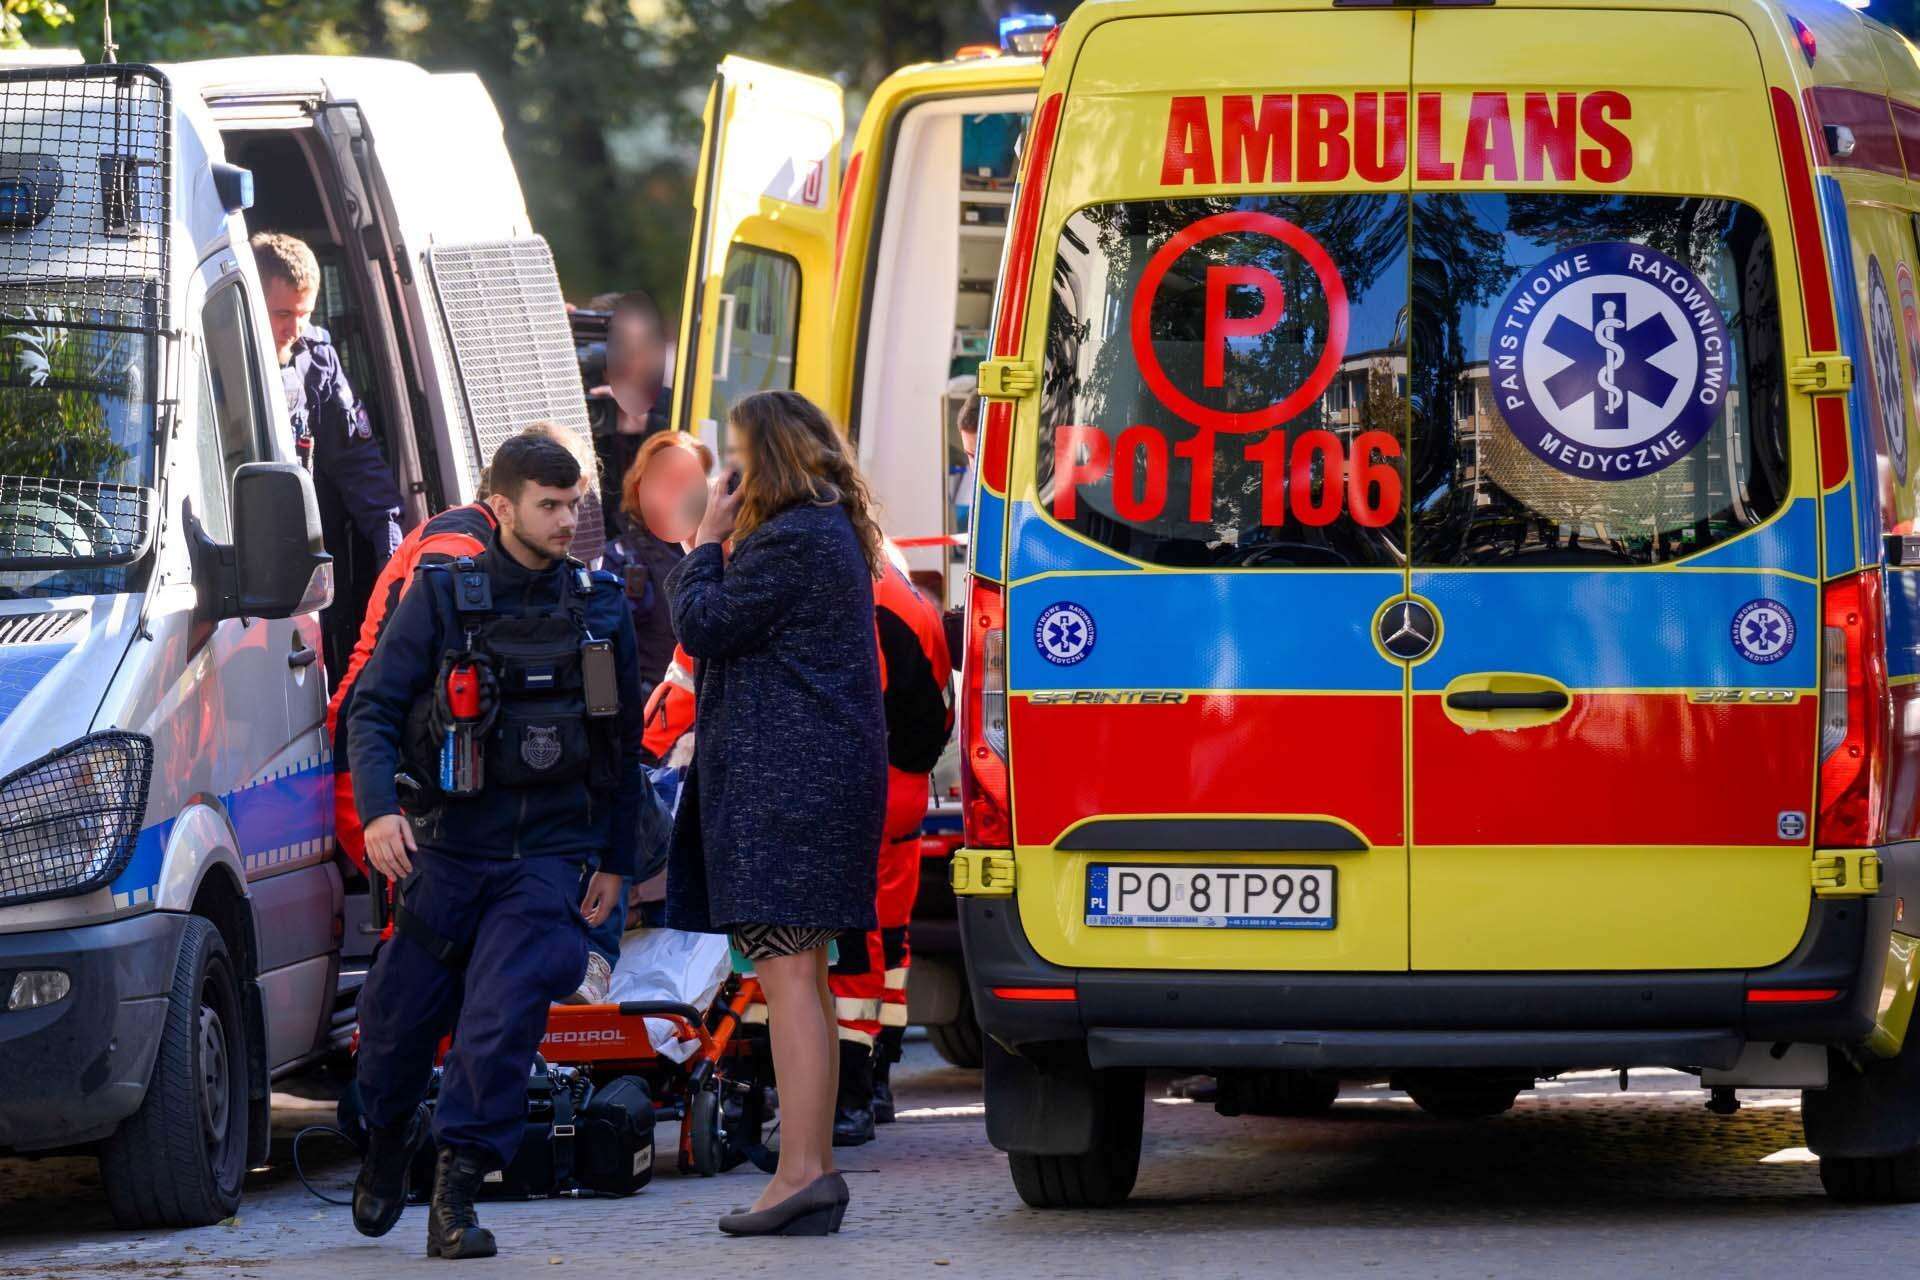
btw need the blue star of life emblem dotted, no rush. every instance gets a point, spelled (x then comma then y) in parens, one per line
(1763, 631)
(1064, 633)
(1609, 361)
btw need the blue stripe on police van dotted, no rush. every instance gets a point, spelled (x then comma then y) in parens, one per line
(279, 817)
(988, 530)
(1837, 510)
(1903, 622)
(1789, 542)
(1287, 629)
(1040, 547)
(1613, 628)
(1846, 304)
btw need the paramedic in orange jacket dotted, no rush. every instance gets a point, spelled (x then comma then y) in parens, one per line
(869, 980)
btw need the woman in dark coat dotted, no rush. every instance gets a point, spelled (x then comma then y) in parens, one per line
(779, 829)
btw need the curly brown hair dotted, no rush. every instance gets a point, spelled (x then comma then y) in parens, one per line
(283, 257)
(794, 455)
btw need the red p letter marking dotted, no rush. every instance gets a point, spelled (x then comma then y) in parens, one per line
(1070, 471)
(1221, 327)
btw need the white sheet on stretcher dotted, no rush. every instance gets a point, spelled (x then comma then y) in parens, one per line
(669, 964)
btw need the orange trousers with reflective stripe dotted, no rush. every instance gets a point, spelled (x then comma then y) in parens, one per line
(869, 980)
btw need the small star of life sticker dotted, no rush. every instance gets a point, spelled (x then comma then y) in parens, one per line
(1763, 631)
(1064, 633)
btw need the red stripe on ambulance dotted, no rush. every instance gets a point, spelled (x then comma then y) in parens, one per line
(1619, 768)
(1331, 754)
(1237, 138)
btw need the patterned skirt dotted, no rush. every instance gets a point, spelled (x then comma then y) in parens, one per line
(772, 941)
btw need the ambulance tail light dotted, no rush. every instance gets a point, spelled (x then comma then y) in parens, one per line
(1855, 714)
(983, 720)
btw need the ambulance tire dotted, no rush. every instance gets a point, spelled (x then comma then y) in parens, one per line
(960, 1041)
(1103, 1176)
(1872, 1179)
(180, 1160)
(1865, 1127)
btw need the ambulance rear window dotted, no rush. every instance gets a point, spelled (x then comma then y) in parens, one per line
(1324, 381)
(1226, 380)
(1599, 379)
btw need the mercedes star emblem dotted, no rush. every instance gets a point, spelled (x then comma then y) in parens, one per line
(1408, 630)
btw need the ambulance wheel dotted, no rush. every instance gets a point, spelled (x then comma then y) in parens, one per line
(1103, 1176)
(708, 1136)
(1872, 1179)
(179, 1160)
(959, 1041)
(1466, 1099)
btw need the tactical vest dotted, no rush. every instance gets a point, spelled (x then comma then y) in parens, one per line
(538, 734)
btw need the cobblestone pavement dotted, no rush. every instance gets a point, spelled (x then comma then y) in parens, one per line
(1579, 1180)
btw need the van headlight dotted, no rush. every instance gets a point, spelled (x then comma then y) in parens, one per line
(68, 820)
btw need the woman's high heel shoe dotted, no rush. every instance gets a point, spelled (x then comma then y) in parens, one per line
(814, 1210)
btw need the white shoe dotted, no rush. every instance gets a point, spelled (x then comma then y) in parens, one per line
(593, 987)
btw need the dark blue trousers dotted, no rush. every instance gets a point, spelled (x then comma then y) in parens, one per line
(526, 945)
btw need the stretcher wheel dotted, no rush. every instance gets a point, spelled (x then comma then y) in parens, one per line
(709, 1140)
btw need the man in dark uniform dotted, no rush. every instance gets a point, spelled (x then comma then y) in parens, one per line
(634, 404)
(524, 652)
(359, 501)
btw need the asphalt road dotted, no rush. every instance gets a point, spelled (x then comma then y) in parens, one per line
(1579, 1180)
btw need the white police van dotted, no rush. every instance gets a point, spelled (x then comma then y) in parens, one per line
(174, 924)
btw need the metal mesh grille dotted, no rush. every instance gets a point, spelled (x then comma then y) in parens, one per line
(512, 350)
(85, 183)
(76, 524)
(68, 820)
(38, 628)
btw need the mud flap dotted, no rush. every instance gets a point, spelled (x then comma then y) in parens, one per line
(1050, 1103)
(259, 1087)
(1866, 1111)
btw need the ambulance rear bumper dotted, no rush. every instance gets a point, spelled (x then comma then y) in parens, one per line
(1543, 1022)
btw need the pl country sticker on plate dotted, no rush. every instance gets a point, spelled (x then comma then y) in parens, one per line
(1763, 631)
(1610, 361)
(1064, 633)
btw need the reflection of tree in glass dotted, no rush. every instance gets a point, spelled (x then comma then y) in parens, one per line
(53, 418)
(1459, 264)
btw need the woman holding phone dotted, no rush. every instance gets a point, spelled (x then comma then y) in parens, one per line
(786, 801)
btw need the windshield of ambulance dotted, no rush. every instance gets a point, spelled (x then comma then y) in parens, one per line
(1443, 377)
(76, 439)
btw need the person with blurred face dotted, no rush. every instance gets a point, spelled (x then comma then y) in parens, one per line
(359, 500)
(632, 407)
(663, 495)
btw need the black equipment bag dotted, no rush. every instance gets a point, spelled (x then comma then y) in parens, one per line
(614, 1152)
(544, 1164)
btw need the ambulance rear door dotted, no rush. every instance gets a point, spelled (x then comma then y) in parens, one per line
(1205, 540)
(1616, 504)
(759, 299)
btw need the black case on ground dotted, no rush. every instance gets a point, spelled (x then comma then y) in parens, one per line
(544, 1164)
(613, 1154)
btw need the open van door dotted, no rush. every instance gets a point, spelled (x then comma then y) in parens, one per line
(759, 297)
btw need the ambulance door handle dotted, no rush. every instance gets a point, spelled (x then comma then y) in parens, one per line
(1485, 701)
(1505, 700)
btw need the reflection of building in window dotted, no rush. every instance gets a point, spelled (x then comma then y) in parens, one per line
(1368, 393)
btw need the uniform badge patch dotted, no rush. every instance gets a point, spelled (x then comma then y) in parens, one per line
(1609, 361)
(1064, 633)
(1763, 631)
(540, 748)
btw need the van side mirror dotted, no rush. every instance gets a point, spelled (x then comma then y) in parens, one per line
(277, 566)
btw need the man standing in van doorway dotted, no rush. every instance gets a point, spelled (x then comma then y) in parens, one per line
(635, 402)
(504, 695)
(352, 480)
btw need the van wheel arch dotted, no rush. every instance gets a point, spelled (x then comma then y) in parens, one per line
(222, 902)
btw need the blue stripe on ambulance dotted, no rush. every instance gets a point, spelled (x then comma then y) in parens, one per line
(988, 530)
(1040, 547)
(1680, 632)
(1846, 304)
(1903, 624)
(278, 818)
(1790, 541)
(1225, 631)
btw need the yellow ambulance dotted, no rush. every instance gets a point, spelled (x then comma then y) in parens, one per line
(1445, 595)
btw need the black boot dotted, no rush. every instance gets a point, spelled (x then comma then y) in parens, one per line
(853, 1110)
(453, 1228)
(380, 1192)
(886, 1052)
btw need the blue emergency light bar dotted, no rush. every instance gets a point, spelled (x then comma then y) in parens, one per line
(1025, 32)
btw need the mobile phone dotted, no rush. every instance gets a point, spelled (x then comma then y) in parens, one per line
(599, 683)
(733, 479)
